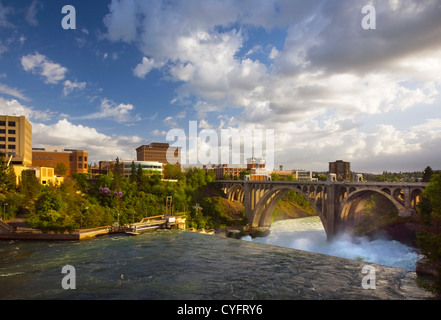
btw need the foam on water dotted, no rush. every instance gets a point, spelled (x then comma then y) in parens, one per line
(308, 234)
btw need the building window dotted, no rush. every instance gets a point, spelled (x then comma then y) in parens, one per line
(11, 139)
(70, 158)
(85, 158)
(85, 166)
(2, 138)
(2, 146)
(2, 130)
(11, 123)
(80, 158)
(11, 147)
(80, 166)
(2, 123)
(10, 131)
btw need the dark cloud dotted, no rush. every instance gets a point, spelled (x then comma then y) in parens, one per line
(344, 46)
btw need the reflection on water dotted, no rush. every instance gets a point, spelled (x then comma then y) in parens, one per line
(308, 234)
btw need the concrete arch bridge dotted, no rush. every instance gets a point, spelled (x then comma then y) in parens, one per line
(336, 203)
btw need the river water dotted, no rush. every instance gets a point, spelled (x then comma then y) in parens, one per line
(172, 264)
(308, 234)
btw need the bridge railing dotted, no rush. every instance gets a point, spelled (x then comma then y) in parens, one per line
(368, 183)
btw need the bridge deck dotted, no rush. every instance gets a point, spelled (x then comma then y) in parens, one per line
(395, 184)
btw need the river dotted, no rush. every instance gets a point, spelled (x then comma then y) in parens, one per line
(308, 234)
(177, 265)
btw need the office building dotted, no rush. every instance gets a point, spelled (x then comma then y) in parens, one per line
(303, 175)
(223, 171)
(341, 169)
(148, 167)
(50, 156)
(16, 140)
(159, 152)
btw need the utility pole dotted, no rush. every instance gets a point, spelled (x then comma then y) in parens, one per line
(4, 210)
(168, 204)
(197, 207)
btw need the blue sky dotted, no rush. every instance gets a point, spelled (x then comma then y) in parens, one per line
(134, 69)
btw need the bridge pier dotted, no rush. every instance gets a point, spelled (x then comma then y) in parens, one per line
(330, 213)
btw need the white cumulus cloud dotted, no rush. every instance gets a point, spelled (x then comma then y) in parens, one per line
(39, 64)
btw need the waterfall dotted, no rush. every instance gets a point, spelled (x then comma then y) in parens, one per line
(307, 234)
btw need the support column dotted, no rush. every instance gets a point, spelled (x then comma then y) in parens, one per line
(331, 209)
(407, 199)
(247, 198)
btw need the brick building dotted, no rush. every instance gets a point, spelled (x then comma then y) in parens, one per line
(341, 169)
(159, 152)
(50, 156)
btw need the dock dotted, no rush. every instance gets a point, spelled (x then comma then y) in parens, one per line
(146, 225)
(9, 232)
(156, 222)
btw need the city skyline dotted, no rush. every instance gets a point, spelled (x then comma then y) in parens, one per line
(133, 70)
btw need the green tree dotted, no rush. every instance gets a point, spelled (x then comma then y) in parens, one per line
(173, 172)
(133, 172)
(275, 177)
(117, 175)
(427, 174)
(47, 201)
(196, 178)
(29, 185)
(242, 174)
(429, 239)
(211, 176)
(139, 175)
(7, 175)
(60, 169)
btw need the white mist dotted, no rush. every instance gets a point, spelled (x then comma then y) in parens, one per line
(308, 234)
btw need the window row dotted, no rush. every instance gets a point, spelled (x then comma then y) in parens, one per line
(10, 147)
(10, 123)
(10, 139)
(10, 131)
(80, 158)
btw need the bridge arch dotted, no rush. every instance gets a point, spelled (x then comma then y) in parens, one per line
(335, 202)
(265, 206)
(352, 206)
(236, 193)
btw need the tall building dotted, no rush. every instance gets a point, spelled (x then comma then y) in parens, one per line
(341, 169)
(158, 152)
(50, 156)
(16, 139)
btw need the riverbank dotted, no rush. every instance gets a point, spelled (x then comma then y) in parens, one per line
(17, 229)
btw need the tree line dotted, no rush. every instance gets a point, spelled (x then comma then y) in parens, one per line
(86, 202)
